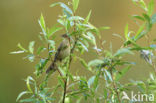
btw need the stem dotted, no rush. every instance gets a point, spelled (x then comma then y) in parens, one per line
(114, 86)
(66, 79)
(69, 63)
(65, 91)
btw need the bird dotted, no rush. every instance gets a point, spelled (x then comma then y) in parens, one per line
(62, 52)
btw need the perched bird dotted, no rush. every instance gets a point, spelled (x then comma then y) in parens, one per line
(63, 51)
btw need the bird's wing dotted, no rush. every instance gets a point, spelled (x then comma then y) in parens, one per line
(60, 48)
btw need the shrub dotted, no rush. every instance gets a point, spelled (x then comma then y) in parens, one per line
(103, 86)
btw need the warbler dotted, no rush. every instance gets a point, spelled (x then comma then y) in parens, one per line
(62, 52)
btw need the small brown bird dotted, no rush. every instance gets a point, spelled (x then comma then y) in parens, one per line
(63, 51)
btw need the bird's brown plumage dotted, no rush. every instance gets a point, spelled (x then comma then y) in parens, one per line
(62, 52)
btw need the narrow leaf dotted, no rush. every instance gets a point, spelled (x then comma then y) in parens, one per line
(54, 30)
(153, 19)
(122, 73)
(28, 84)
(138, 17)
(95, 62)
(123, 51)
(77, 18)
(32, 100)
(17, 52)
(21, 94)
(42, 25)
(31, 46)
(139, 32)
(75, 4)
(91, 81)
(150, 7)
(104, 28)
(21, 47)
(126, 32)
(88, 17)
(64, 6)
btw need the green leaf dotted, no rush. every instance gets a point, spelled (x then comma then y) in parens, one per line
(21, 47)
(29, 78)
(108, 74)
(40, 49)
(30, 57)
(88, 17)
(17, 52)
(31, 46)
(146, 17)
(42, 25)
(40, 66)
(66, 14)
(68, 24)
(91, 37)
(94, 29)
(150, 7)
(122, 73)
(53, 30)
(123, 51)
(32, 100)
(126, 32)
(91, 81)
(64, 6)
(60, 80)
(75, 4)
(83, 62)
(139, 32)
(153, 46)
(138, 17)
(141, 86)
(84, 47)
(52, 43)
(96, 80)
(60, 21)
(54, 4)
(77, 18)
(143, 5)
(21, 94)
(153, 19)
(104, 28)
(95, 62)
(118, 35)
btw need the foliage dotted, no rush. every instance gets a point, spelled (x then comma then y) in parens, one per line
(104, 85)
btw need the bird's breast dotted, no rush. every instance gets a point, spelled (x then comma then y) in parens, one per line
(65, 52)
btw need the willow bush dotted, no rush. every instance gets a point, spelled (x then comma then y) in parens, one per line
(104, 85)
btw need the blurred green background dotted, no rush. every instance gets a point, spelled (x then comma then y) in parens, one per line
(19, 23)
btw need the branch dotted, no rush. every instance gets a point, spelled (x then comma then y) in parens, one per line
(66, 79)
(70, 60)
(114, 86)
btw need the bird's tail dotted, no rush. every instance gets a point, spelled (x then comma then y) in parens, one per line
(52, 68)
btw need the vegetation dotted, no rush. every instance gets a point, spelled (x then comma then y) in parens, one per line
(103, 86)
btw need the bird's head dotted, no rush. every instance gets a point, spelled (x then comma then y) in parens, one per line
(66, 36)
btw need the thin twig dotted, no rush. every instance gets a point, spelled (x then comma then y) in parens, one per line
(114, 86)
(66, 79)
(69, 63)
